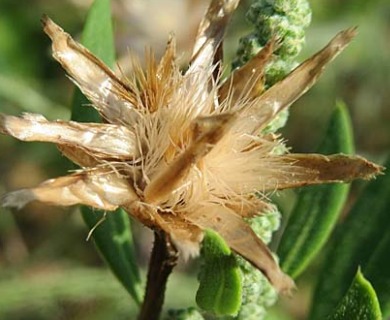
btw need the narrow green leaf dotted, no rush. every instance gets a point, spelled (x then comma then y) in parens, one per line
(363, 239)
(318, 207)
(377, 270)
(98, 37)
(220, 283)
(359, 303)
(114, 240)
(112, 237)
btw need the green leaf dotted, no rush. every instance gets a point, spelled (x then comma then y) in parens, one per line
(114, 241)
(113, 236)
(220, 283)
(98, 38)
(363, 239)
(359, 303)
(318, 207)
(377, 270)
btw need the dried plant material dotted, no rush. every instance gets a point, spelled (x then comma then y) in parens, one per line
(180, 17)
(183, 152)
(208, 131)
(241, 238)
(211, 32)
(247, 82)
(99, 189)
(91, 137)
(284, 93)
(318, 169)
(110, 96)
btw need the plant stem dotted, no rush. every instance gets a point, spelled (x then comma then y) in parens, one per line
(163, 259)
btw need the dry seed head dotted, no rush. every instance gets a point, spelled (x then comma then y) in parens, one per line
(182, 152)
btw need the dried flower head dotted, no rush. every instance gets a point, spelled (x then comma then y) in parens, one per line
(183, 152)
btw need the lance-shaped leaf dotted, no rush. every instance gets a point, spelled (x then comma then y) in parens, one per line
(220, 284)
(113, 237)
(360, 302)
(317, 208)
(377, 270)
(357, 239)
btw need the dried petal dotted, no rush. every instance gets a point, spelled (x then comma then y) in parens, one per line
(211, 32)
(308, 169)
(241, 238)
(247, 81)
(101, 140)
(301, 79)
(98, 189)
(79, 156)
(114, 100)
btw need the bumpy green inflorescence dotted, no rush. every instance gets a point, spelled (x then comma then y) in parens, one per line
(258, 293)
(286, 20)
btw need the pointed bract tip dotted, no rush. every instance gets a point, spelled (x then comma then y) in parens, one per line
(367, 169)
(374, 170)
(283, 284)
(17, 199)
(50, 27)
(346, 35)
(44, 19)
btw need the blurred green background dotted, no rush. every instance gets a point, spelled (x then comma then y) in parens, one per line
(47, 269)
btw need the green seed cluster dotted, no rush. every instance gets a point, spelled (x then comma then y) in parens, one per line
(265, 224)
(285, 20)
(258, 293)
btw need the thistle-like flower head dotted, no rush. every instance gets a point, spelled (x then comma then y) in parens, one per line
(184, 151)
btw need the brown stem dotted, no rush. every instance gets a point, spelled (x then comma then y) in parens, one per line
(163, 259)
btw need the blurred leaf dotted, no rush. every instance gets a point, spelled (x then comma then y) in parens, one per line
(377, 270)
(98, 37)
(220, 283)
(360, 302)
(318, 207)
(88, 293)
(361, 240)
(114, 240)
(31, 100)
(113, 237)
(191, 313)
(43, 292)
